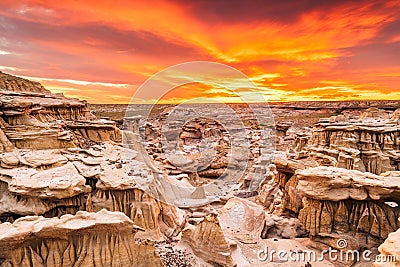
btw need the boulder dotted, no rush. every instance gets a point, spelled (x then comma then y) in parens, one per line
(57, 183)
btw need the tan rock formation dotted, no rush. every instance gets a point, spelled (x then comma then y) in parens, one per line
(36, 137)
(347, 201)
(101, 130)
(335, 184)
(369, 143)
(86, 239)
(16, 84)
(281, 227)
(42, 159)
(208, 241)
(242, 220)
(57, 183)
(5, 144)
(389, 251)
(13, 206)
(37, 119)
(280, 193)
(374, 113)
(158, 218)
(282, 128)
(51, 192)
(57, 160)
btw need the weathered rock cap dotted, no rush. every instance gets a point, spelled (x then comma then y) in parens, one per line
(336, 184)
(35, 227)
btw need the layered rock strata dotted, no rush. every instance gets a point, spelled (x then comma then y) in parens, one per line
(370, 143)
(196, 138)
(340, 201)
(51, 192)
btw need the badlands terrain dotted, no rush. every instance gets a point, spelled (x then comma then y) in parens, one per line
(103, 185)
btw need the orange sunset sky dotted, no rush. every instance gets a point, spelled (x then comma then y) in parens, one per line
(102, 51)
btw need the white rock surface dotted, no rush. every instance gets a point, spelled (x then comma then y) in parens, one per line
(57, 183)
(332, 183)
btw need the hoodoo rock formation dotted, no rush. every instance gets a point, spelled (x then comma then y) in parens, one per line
(207, 237)
(34, 118)
(85, 239)
(369, 143)
(389, 251)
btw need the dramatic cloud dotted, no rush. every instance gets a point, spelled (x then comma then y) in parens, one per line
(292, 50)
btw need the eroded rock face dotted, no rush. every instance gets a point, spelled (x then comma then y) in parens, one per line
(158, 218)
(16, 84)
(56, 182)
(280, 194)
(208, 241)
(190, 140)
(242, 219)
(347, 201)
(60, 160)
(13, 206)
(370, 143)
(389, 251)
(333, 202)
(56, 159)
(52, 192)
(355, 191)
(97, 130)
(335, 184)
(195, 139)
(5, 144)
(36, 137)
(237, 232)
(281, 227)
(34, 118)
(370, 222)
(85, 239)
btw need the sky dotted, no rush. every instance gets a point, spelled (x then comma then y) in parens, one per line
(102, 51)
